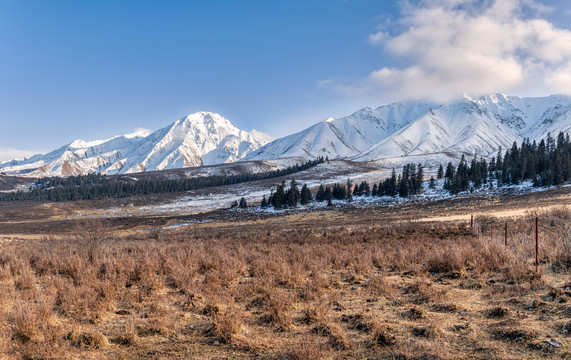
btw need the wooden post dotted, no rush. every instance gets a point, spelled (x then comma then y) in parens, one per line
(506, 235)
(472, 220)
(491, 233)
(483, 235)
(536, 244)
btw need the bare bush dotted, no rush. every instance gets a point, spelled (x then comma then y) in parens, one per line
(91, 236)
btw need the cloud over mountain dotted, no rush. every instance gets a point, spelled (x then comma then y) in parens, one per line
(446, 48)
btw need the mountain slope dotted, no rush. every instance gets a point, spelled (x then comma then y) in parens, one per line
(201, 138)
(346, 137)
(466, 126)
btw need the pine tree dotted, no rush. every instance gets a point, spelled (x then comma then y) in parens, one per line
(279, 200)
(264, 202)
(432, 183)
(305, 196)
(419, 179)
(293, 195)
(243, 203)
(449, 174)
(320, 196)
(348, 191)
(328, 194)
(440, 173)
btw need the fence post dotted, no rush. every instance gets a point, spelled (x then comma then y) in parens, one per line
(536, 243)
(472, 220)
(483, 234)
(506, 235)
(491, 233)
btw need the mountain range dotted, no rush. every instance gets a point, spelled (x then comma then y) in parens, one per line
(202, 138)
(465, 126)
(469, 126)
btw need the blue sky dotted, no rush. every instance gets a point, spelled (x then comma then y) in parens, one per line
(94, 69)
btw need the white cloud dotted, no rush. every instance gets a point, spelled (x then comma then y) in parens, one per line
(453, 47)
(10, 154)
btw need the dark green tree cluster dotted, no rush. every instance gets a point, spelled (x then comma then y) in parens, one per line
(362, 189)
(97, 186)
(408, 183)
(283, 198)
(337, 192)
(547, 163)
(466, 177)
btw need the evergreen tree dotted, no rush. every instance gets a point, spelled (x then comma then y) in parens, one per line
(440, 173)
(293, 195)
(320, 196)
(243, 203)
(348, 190)
(449, 171)
(328, 196)
(419, 179)
(305, 196)
(279, 199)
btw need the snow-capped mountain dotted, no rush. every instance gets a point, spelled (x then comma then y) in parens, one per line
(465, 126)
(202, 138)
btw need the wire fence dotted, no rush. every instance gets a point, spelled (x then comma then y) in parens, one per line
(547, 239)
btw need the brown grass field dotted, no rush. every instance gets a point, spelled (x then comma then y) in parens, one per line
(403, 282)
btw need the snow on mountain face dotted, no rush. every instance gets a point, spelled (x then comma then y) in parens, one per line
(466, 126)
(201, 138)
(346, 137)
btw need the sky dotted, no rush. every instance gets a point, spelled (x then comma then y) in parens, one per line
(84, 69)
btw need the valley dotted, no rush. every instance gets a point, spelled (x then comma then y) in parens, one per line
(407, 281)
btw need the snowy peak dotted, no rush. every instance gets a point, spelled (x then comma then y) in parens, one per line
(197, 139)
(469, 125)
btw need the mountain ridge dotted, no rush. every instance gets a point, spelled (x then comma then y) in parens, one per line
(470, 125)
(466, 126)
(201, 138)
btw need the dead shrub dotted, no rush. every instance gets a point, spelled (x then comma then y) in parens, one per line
(445, 308)
(337, 338)
(26, 280)
(382, 335)
(431, 331)
(414, 313)
(314, 313)
(515, 334)
(276, 310)
(446, 260)
(379, 285)
(307, 349)
(423, 291)
(497, 312)
(91, 236)
(95, 340)
(227, 326)
(129, 336)
(32, 321)
(358, 322)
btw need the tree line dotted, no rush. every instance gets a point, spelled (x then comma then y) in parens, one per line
(97, 186)
(546, 163)
(406, 184)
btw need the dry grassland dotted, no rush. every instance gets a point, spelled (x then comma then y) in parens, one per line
(328, 285)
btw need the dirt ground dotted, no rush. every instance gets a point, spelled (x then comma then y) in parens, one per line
(409, 281)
